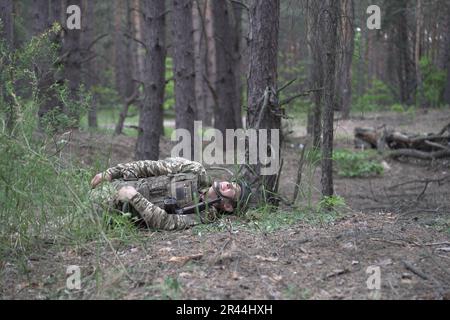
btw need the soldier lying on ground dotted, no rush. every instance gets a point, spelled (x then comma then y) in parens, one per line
(141, 189)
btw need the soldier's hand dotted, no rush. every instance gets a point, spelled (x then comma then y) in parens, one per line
(99, 178)
(126, 193)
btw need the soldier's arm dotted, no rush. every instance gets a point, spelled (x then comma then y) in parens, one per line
(158, 218)
(149, 168)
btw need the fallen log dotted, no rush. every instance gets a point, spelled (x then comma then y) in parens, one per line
(411, 153)
(426, 146)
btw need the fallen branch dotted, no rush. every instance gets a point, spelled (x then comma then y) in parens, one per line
(446, 128)
(299, 174)
(414, 270)
(436, 145)
(412, 153)
(286, 85)
(438, 181)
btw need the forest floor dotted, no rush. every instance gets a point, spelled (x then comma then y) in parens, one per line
(404, 229)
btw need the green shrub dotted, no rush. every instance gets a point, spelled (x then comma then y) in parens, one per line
(377, 96)
(356, 164)
(433, 82)
(43, 197)
(398, 108)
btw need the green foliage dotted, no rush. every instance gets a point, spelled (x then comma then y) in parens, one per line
(356, 164)
(397, 107)
(169, 94)
(433, 82)
(378, 95)
(333, 202)
(106, 97)
(26, 66)
(43, 197)
(292, 68)
(171, 288)
(293, 292)
(267, 219)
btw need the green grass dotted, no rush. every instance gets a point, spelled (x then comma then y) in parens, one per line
(293, 292)
(268, 219)
(353, 164)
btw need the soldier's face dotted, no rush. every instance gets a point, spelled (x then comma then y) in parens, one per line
(228, 190)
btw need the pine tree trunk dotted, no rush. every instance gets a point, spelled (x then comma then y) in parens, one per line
(262, 76)
(348, 37)
(444, 60)
(122, 51)
(40, 12)
(200, 49)
(237, 61)
(72, 63)
(315, 35)
(6, 16)
(183, 65)
(88, 56)
(42, 20)
(52, 100)
(147, 146)
(417, 54)
(123, 60)
(331, 16)
(7, 33)
(136, 23)
(227, 97)
(210, 60)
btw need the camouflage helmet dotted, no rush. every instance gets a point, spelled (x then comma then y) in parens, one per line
(244, 197)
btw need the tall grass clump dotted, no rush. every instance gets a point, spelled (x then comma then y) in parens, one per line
(44, 198)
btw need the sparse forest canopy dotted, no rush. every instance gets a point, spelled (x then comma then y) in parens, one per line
(358, 95)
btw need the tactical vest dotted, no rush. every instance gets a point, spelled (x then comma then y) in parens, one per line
(184, 187)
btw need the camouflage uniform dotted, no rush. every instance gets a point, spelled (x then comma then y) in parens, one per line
(155, 181)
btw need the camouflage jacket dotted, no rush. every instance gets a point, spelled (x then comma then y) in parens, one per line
(147, 205)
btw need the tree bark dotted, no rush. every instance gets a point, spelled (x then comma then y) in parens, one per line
(136, 23)
(444, 60)
(417, 54)
(331, 16)
(210, 60)
(42, 20)
(7, 19)
(123, 59)
(72, 63)
(183, 66)
(347, 46)
(147, 146)
(237, 61)
(55, 12)
(314, 35)
(89, 66)
(122, 53)
(7, 34)
(202, 52)
(40, 12)
(264, 26)
(396, 14)
(227, 96)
